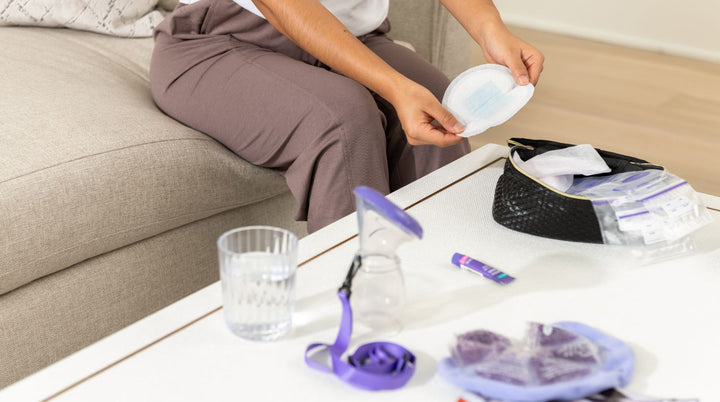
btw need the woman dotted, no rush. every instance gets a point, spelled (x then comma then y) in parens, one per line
(316, 90)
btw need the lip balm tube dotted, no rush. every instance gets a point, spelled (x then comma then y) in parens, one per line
(482, 269)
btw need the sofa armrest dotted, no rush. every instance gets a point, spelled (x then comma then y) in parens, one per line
(434, 32)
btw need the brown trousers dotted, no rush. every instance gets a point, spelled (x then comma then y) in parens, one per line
(227, 73)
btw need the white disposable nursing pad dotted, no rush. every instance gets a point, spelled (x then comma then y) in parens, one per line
(558, 168)
(485, 96)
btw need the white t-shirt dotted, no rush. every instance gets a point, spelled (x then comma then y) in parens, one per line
(359, 16)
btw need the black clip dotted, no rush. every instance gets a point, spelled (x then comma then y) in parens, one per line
(354, 267)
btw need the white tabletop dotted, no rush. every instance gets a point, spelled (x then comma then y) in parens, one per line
(665, 311)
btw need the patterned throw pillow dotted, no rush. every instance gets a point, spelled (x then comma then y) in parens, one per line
(129, 18)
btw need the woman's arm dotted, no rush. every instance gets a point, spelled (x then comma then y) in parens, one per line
(482, 21)
(312, 27)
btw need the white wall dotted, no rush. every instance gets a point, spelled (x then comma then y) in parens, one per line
(685, 28)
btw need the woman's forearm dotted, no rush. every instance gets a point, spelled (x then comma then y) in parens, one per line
(312, 27)
(476, 16)
(482, 21)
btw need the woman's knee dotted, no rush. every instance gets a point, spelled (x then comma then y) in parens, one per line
(436, 82)
(355, 119)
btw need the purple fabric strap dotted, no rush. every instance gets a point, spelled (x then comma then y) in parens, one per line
(374, 366)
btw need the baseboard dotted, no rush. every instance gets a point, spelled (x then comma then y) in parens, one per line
(611, 37)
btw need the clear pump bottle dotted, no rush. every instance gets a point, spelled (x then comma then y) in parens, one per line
(379, 288)
(379, 292)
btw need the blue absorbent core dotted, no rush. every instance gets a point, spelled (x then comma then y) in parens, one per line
(486, 101)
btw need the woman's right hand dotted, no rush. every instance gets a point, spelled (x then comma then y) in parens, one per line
(424, 119)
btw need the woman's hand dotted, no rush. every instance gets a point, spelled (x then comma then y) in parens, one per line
(482, 21)
(424, 119)
(502, 47)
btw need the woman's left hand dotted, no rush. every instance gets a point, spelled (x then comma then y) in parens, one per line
(525, 62)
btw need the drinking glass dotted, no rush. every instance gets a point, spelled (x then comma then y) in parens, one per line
(257, 273)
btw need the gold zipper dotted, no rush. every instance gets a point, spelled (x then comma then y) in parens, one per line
(554, 190)
(515, 143)
(645, 164)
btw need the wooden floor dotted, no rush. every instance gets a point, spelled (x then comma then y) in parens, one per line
(661, 108)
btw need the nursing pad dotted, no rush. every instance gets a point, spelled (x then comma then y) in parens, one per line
(558, 168)
(485, 96)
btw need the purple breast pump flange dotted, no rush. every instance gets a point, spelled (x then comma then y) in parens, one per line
(378, 365)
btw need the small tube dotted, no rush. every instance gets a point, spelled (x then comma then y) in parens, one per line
(477, 267)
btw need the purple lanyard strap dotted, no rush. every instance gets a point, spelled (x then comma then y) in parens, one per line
(374, 366)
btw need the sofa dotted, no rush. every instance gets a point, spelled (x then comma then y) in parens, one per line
(110, 209)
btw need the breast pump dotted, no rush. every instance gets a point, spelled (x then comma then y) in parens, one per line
(376, 284)
(378, 287)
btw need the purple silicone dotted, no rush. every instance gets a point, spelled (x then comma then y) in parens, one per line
(474, 346)
(486, 337)
(465, 355)
(508, 368)
(615, 371)
(581, 351)
(554, 335)
(551, 371)
(389, 210)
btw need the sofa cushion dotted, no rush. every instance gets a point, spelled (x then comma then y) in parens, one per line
(167, 5)
(88, 163)
(131, 18)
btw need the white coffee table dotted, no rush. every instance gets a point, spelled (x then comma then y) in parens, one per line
(667, 311)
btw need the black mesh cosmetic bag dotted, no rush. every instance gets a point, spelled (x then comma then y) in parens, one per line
(526, 204)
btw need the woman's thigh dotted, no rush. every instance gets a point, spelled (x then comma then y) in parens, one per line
(269, 108)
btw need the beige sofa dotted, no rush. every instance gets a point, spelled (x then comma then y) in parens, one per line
(109, 209)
